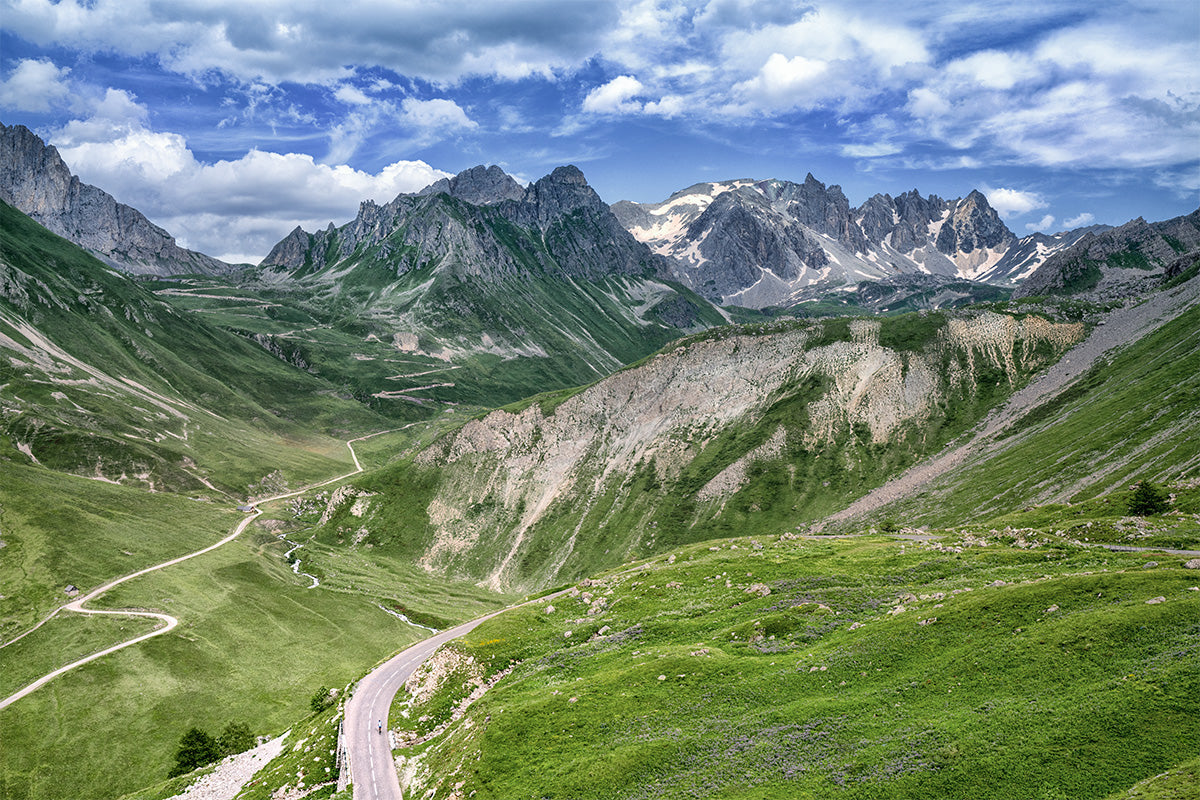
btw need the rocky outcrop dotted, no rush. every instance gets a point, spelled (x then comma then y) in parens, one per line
(822, 209)
(512, 484)
(745, 242)
(479, 186)
(973, 225)
(35, 180)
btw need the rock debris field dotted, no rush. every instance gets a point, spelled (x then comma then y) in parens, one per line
(1123, 326)
(233, 773)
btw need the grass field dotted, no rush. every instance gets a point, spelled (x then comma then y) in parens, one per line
(253, 645)
(871, 668)
(60, 529)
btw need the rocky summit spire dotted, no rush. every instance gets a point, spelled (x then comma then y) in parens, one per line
(479, 186)
(973, 225)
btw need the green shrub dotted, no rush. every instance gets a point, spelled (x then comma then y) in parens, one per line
(236, 738)
(321, 700)
(1148, 498)
(196, 749)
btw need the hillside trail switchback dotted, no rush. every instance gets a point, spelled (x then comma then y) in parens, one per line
(77, 605)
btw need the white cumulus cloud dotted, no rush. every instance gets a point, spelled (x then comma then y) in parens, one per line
(615, 97)
(438, 114)
(232, 209)
(1044, 224)
(34, 85)
(1013, 202)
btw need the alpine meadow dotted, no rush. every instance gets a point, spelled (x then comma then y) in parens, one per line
(500, 486)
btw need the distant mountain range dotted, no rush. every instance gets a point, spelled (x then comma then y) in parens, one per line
(753, 244)
(35, 181)
(775, 243)
(477, 270)
(1119, 261)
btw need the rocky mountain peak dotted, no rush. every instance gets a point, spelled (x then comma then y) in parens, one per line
(479, 186)
(562, 192)
(35, 180)
(973, 225)
(568, 173)
(291, 249)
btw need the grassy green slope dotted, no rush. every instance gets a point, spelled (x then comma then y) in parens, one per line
(60, 529)
(1133, 417)
(253, 645)
(872, 668)
(98, 376)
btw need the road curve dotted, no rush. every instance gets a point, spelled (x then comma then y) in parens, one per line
(77, 605)
(372, 769)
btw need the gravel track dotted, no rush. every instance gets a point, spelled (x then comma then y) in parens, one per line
(1120, 327)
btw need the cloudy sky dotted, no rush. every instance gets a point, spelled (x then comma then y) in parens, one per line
(229, 122)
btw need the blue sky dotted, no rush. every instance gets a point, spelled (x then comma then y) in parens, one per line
(229, 122)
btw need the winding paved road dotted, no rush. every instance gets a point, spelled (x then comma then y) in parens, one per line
(77, 605)
(372, 770)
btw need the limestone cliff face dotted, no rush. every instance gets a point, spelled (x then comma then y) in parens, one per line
(35, 181)
(524, 497)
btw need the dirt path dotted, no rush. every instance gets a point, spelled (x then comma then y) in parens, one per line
(1119, 328)
(77, 605)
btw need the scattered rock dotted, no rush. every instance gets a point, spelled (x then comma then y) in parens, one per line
(1153, 601)
(1052, 608)
(1192, 564)
(1149, 564)
(760, 589)
(549, 609)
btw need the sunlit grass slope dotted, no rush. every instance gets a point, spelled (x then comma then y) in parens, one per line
(98, 376)
(254, 644)
(769, 667)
